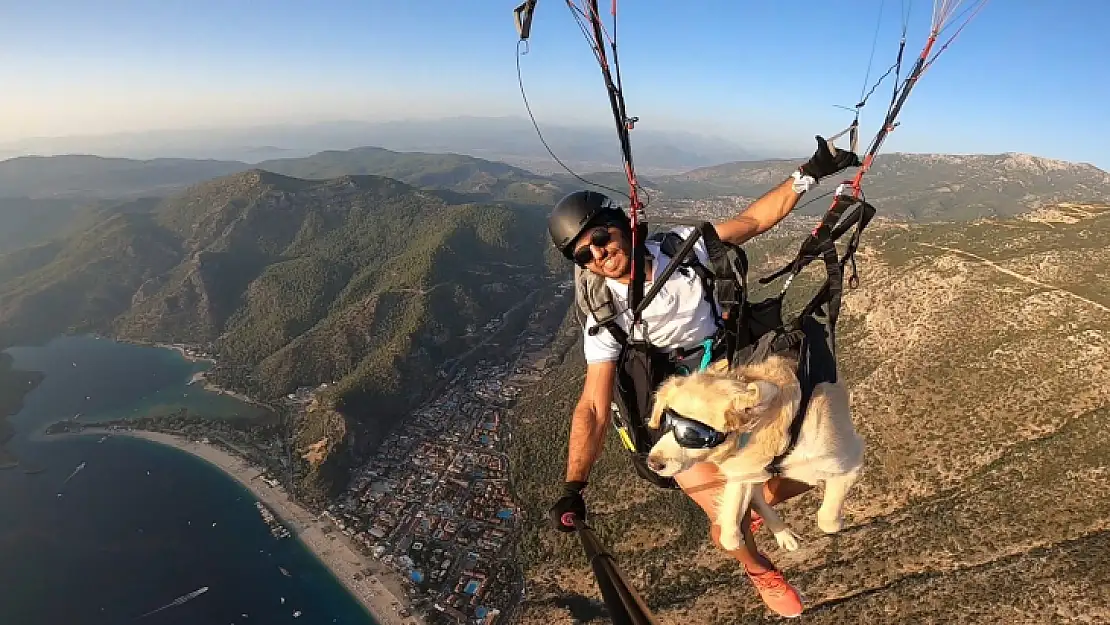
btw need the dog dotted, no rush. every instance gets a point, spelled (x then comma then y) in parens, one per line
(750, 409)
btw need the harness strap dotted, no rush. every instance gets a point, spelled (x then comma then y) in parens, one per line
(681, 358)
(669, 245)
(816, 364)
(816, 341)
(676, 261)
(811, 247)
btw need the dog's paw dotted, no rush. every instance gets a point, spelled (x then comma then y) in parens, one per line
(830, 525)
(787, 539)
(730, 538)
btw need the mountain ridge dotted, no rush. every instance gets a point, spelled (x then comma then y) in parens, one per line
(909, 186)
(919, 186)
(90, 176)
(505, 138)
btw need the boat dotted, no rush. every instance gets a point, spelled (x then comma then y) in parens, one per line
(30, 469)
(277, 530)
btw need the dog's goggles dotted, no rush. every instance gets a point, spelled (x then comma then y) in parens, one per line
(689, 433)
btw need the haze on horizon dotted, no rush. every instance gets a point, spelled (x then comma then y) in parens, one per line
(1021, 78)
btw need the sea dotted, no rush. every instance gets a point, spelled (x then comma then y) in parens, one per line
(137, 534)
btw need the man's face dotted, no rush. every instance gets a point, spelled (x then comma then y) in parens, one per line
(604, 251)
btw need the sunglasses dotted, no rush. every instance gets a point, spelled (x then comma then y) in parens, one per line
(599, 237)
(689, 433)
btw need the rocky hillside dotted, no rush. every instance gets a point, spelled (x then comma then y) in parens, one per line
(976, 359)
(919, 186)
(363, 282)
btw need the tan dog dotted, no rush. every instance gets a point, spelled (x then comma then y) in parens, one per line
(754, 407)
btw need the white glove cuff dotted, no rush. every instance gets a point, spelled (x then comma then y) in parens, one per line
(802, 182)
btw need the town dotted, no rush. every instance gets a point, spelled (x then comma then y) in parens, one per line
(434, 503)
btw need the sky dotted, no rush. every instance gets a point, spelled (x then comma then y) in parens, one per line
(1025, 76)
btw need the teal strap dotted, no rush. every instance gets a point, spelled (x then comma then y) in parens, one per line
(706, 357)
(707, 353)
(743, 439)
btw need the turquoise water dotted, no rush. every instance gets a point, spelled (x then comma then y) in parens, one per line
(141, 524)
(102, 380)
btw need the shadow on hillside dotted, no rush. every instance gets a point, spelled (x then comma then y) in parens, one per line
(580, 607)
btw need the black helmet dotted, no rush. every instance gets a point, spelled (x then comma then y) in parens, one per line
(578, 211)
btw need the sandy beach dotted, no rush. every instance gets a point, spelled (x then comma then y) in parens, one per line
(377, 588)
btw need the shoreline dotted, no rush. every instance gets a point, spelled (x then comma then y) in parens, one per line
(188, 352)
(330, 546)
(202, 376)
(210, 386)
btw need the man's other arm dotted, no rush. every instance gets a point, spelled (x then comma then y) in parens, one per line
(590, 420)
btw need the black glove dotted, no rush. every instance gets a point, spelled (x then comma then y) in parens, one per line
(571, 501)
(824, 163)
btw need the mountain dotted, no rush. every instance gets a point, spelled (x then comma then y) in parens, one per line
(509, 139)
(26, 221)
(920, 186)
(904, 186)
(454, 172)
(976, 359)
(98, 177)
(361, 282)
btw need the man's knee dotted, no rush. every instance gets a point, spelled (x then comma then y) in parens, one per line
(778, 489)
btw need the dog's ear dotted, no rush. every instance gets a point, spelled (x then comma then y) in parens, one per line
(662, 400)
(656, 414)
(752, 402)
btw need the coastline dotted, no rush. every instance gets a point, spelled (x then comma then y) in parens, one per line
(12, 392)
(376, 591)
(212, 387)
(189, 353)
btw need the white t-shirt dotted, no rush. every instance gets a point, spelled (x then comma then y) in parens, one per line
(678, 316)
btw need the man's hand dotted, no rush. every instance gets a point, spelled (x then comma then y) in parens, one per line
(572, 502)
(823, 163)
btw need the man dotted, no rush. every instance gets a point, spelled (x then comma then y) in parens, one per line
(596, 235)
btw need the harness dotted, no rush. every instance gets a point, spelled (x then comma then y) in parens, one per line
(813, 339)
(747, 332)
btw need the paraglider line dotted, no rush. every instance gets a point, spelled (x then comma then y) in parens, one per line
(539, 133)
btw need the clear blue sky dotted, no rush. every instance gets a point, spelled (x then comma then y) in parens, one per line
(1026, 75)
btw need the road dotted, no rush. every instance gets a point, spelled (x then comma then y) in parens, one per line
(1014, 274)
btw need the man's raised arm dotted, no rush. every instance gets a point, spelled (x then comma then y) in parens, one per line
(773, 206)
